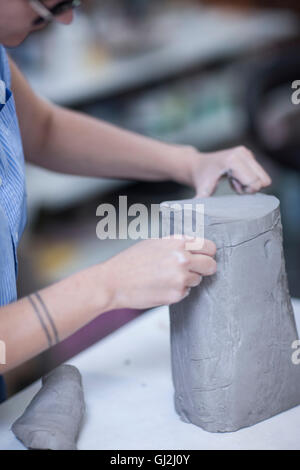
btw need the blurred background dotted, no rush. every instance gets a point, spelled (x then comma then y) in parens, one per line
(211, 74)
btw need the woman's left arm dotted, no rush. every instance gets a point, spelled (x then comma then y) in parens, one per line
(73, 143)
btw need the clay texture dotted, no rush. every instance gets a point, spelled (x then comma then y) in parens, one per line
(231, 339)
(53, 418)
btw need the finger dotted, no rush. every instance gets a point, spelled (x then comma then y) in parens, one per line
(248, 178)
(236, 185)
(250, 160)
(208, 183)
(194, 280)
(175, 236)
(254, 187)
(203, 265)
(186, 292)
(206, 247)
(262, 174)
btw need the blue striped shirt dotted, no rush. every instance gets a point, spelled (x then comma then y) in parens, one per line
(12, 191)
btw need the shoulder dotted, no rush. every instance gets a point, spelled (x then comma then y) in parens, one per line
(4, 67)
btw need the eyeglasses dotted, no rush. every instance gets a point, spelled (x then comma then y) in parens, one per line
(50, 14)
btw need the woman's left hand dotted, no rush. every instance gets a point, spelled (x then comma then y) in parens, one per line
(239, 164)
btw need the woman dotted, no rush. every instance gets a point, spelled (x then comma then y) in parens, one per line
(153, 272)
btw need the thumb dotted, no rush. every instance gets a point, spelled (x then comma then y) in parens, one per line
(207, 185)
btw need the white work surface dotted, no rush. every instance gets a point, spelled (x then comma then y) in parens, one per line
(129, 397)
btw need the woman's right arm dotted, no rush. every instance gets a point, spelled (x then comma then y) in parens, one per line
(151, 273)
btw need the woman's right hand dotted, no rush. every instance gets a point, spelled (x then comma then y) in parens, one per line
(151, 273)
(158, 272)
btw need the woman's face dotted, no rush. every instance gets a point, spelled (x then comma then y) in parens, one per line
(17, 17)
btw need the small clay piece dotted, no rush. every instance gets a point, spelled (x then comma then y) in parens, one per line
(231, 339)
(53, 418)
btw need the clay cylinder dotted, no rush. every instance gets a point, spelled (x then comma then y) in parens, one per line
(231, 338)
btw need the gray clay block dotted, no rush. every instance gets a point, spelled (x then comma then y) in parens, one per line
(53, 418)
(231, 338)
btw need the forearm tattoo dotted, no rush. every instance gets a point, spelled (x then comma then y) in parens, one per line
(44, 318)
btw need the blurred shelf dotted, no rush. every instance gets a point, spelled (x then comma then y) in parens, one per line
(57, 191)
(203, 36)
(231, 125)
(208, 35)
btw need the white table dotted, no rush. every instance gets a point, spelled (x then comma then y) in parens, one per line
(129, 396)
